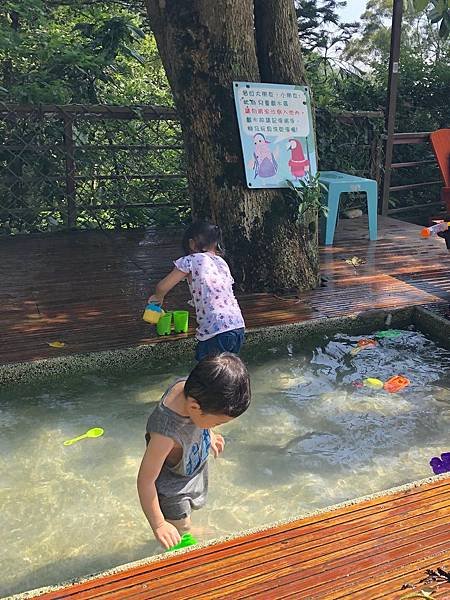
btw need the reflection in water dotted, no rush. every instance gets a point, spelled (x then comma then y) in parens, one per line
(311, 438)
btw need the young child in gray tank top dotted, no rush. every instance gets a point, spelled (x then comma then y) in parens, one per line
(173, 477)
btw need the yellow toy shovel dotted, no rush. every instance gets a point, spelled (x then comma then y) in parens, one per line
(92, 433)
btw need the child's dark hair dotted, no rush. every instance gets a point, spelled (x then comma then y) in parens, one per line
(205, 236)
(220, 384)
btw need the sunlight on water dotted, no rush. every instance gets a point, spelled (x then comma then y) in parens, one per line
(310, 439)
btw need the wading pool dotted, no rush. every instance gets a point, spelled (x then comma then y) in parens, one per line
(311, 438)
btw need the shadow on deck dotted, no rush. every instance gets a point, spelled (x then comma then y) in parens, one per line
(88, 289)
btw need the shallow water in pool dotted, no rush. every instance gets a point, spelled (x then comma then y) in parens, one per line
(311, 438)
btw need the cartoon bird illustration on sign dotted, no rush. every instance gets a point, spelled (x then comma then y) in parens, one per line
(298, 164)
(264, 162)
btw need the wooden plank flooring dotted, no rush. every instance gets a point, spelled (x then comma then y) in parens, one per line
(365, 551)
(88, 289)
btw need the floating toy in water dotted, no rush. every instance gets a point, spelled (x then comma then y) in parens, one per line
(357, 384)
(92, 433)
(441, 465)
(389, 333)
(152, 313)
(187, 539)
(373, 383)
(396, 384)
(364, 343)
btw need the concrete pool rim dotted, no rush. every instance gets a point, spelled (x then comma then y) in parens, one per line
(140, 357)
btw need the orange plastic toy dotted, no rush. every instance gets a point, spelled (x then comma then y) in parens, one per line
(396, 384)
(364, 343)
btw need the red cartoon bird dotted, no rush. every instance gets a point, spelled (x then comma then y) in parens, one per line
(298, 163)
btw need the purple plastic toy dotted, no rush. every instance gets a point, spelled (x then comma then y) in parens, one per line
(441, 465)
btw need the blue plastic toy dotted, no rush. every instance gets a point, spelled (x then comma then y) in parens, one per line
(441, 465)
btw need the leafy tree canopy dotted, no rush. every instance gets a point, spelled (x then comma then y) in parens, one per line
(78, 51)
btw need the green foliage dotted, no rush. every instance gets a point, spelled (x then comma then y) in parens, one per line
(372, 43)
(323, 38)
(88, 51)
(308, 196)
(320, 27)
(423, 91)
(75, 52)
(439, 12)
(78, 51)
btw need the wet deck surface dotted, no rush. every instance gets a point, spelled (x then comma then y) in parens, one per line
(88, 289)
(379, 548)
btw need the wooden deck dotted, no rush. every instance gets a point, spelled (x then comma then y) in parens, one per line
(362, 552)
(88, 289)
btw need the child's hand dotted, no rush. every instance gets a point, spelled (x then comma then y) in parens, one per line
(156, 299)
(167, 535)
(217, 444)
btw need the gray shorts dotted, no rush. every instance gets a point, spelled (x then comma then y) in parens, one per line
(179, 496)
(179, 507)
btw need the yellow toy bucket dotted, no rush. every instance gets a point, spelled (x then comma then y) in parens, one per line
(152, 313)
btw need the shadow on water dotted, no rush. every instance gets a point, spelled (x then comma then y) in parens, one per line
(70, 569)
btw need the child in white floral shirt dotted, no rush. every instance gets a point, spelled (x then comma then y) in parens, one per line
(219, 318)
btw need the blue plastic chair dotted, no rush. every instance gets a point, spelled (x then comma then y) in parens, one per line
(337, 183)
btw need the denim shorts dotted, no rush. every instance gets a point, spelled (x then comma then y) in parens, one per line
(228, 341)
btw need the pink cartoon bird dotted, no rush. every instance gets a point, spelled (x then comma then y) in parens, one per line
(264, 162)
(298, 163)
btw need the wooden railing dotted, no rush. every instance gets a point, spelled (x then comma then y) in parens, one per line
(401, 139)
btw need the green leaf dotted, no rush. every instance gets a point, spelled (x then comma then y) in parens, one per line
(136, 31)
(130, 52)
(434, 15)
(444, 29)
(420, 5)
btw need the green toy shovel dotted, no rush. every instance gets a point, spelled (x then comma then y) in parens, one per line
(92, 433)
(187, 539)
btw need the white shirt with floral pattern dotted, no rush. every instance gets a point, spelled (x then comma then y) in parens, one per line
(211, 287)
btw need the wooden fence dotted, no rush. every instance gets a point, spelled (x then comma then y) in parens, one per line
(418, 169)
(84, 166)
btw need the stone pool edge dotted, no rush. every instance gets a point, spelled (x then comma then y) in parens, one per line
(135, 358)
(66, 586)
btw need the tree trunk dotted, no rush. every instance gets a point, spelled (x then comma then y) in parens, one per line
(280, 61)
(205, 46)
(279, 54)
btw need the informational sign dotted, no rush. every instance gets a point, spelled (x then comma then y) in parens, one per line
(276, 128)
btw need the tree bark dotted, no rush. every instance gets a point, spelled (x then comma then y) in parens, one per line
(278, 46)
(280, 61)
(204, 47)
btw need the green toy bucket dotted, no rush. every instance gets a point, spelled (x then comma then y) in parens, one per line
(181, 321)
(164, 325)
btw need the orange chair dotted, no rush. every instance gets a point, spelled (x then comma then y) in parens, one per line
(440, 140)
